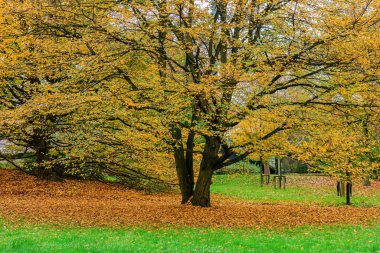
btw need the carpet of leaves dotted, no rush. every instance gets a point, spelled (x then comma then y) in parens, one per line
(89, 203)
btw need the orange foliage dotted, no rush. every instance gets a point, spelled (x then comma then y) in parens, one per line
(191, 77)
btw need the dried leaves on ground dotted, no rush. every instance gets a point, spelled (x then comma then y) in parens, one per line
(88, 203)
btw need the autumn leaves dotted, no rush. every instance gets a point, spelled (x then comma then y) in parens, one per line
(129, 88)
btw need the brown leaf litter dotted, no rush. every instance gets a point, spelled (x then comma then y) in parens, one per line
(89, 203)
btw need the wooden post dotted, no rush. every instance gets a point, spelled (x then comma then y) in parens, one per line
(281, 179)
(279, 171)
(261, 176)
(265, 177)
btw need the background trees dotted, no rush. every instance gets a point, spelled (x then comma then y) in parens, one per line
(214, 78)
(60, 117)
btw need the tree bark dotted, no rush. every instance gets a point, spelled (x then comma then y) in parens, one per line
(44, 172)
(184, 174)
(40, 146)
(348, 193)
(202, 189)
(190, 159)
(40, 158)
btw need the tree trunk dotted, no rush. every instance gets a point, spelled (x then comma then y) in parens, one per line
(40, 146)
(202, 189)
(185, 175)
(266, 169)
(348, 189)
(348, 193)
(190, 159)
(44, 172)
(40, 158)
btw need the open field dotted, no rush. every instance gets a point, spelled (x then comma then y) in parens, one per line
(78, 216)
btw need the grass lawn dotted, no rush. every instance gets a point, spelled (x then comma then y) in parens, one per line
(247, 187)
(305, 239)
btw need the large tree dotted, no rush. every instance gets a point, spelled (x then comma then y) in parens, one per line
(217, 68)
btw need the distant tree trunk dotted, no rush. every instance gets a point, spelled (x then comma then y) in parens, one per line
(202, 189)
(261, 165)
(276, 166)
(266, 169)
(348, 193)
(339, 188)
(348, 189)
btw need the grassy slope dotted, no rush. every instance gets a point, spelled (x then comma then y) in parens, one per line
(308, 239)
(247, 187)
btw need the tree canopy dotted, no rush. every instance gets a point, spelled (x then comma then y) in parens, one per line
(136, 81)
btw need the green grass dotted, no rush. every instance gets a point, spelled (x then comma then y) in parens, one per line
(5, 165)
(306, 239)
(111, 179)
(247, 187)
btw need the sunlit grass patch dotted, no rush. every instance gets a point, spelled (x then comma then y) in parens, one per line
(300, 189)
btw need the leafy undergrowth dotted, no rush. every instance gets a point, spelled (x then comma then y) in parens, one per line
(87, 203)
(303, 239)
(320, 190)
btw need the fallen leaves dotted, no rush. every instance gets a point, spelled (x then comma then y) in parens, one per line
(88, 203)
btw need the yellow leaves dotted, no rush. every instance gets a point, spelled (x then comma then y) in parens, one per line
(117, 76)
(336, 149)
